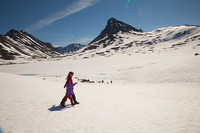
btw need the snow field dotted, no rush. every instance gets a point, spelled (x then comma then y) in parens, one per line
(156, 93)
(32, 106)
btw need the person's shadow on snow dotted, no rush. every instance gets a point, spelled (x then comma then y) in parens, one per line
(58, 108)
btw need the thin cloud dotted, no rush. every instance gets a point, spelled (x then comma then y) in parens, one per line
(69, 10)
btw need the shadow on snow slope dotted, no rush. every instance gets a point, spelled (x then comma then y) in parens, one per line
(58, 108)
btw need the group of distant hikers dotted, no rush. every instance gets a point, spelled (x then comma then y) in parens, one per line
(69, 85)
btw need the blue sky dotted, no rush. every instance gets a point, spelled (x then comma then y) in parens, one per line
(62, 22)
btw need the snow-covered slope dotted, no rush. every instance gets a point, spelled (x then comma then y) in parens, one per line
(20, 44)
(70, 48)
(150, 93)
(117, 37)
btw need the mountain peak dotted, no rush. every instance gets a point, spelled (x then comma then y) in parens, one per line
(113, 27)
(16, 32)
(112, 20)
(12, 31)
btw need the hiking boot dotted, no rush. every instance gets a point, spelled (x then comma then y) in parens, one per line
(76, 103)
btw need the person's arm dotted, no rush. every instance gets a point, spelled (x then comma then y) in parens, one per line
(74, 84)
(65, 84)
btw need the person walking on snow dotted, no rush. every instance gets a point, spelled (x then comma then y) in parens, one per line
(69, 78)
(69, 92)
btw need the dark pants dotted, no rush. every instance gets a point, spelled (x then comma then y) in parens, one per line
(74, 98)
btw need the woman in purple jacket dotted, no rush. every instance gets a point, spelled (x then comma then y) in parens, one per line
(69, 92)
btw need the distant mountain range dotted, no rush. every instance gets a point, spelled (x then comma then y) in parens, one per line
(116, 37)
(70, 48)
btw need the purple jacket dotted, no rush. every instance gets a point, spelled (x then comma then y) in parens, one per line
(69, 90)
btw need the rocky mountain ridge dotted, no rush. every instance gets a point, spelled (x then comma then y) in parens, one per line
(20, 44)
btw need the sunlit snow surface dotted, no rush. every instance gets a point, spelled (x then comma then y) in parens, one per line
(154, 93)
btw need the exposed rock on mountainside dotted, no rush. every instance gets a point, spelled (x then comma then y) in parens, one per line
(21, 44)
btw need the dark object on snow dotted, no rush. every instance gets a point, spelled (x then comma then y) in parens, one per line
(196, 54)
(86, 81)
